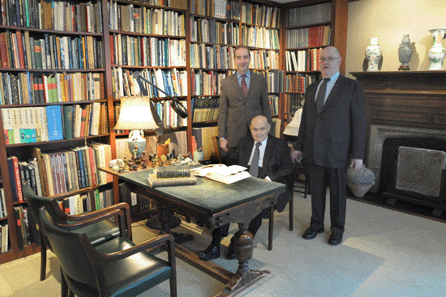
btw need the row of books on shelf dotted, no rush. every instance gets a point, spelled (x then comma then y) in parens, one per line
(264, 59)
(27, 231)
(146, 20)
(172, 81)
(311, 14)
(223, 9)
(206, 83)
(58, 172)
(53, 15)
(274, 102)
(169, 117)
(297, 83)
(203, 138)
(260, 15)
(53, 122)
(308, 37)
(274, 80)
(3, 210)
(147, 51)
(213, 31)
(211, 56)
(19, 50)
(260, 37)
(4, 236)
(293, 102)
(204, 109)
(34, 88)
(303, 60)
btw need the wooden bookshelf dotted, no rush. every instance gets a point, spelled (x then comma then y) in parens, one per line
(104, 31)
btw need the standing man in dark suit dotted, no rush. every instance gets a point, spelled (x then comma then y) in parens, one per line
(274, 163)
(331, 138)
(243, 96)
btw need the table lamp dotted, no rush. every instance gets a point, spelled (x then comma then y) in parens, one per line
(136, 115)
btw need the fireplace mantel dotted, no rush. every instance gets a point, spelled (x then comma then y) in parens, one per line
(405, 98)
(399, 104)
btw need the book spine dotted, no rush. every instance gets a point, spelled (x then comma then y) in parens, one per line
(17, 179)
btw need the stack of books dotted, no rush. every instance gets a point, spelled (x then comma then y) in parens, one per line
(171, 176)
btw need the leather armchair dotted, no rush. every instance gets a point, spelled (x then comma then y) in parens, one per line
(98, 232)
(117, 267)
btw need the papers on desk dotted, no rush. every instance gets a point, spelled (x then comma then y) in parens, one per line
(222, 173)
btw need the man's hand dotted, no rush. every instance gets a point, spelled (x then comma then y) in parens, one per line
(356, 163)
(296, 156)
(224, 145)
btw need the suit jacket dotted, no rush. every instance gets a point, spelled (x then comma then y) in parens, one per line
(236, 111)
(336, 134)
(277, 164)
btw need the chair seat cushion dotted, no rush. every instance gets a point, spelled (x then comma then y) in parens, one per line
(135, 274)
(100, 232)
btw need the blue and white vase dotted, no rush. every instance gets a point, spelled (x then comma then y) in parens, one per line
(437, 52)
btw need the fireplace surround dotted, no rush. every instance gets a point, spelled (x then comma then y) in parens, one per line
(402, 105)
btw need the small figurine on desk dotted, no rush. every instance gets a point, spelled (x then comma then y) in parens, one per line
(144, 160)
(126, 165)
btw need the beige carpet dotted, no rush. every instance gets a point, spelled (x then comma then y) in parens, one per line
(384, 253)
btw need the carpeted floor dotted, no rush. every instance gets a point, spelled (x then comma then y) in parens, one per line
(384, 253)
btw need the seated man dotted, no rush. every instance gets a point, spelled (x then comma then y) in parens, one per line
(274, 163)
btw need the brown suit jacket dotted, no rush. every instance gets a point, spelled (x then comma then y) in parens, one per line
(236, 111)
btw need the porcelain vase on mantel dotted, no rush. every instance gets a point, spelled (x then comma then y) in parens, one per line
(436, 52)
(373, 54)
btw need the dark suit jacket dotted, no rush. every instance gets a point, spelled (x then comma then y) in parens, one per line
(277, 164)
(337, 134)
(236, 111)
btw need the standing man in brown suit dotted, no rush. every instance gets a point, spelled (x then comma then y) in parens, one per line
(243, 96)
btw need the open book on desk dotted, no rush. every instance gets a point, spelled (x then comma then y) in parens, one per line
(222, 173)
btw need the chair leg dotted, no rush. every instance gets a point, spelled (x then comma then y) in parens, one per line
(291, 204)
(63, 285)
(42, 258)
(271, 228)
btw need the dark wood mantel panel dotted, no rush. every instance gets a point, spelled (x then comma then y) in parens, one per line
(405, 98)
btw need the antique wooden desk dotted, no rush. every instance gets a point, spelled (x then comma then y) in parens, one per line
(214, 204)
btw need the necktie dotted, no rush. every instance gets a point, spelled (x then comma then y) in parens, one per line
(244, 85)
(254, 168)
(321, 95)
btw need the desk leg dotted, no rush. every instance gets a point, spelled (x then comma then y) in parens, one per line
(244, 279)
(164, 216)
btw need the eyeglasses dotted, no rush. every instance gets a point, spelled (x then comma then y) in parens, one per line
(329, 59)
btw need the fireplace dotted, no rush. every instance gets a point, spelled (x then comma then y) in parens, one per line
(412, 169)
(404, 109)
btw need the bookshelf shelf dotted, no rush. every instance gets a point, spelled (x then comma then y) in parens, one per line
(90, 137)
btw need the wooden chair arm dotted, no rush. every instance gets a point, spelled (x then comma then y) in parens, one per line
(157, 241)
(93, 220)
(125, 218)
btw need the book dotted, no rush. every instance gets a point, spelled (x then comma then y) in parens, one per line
(155, 182)
(168, 172)
(222, 173)
(54, 121)
(14, 179)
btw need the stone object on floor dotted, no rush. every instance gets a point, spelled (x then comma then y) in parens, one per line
(360, 181)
